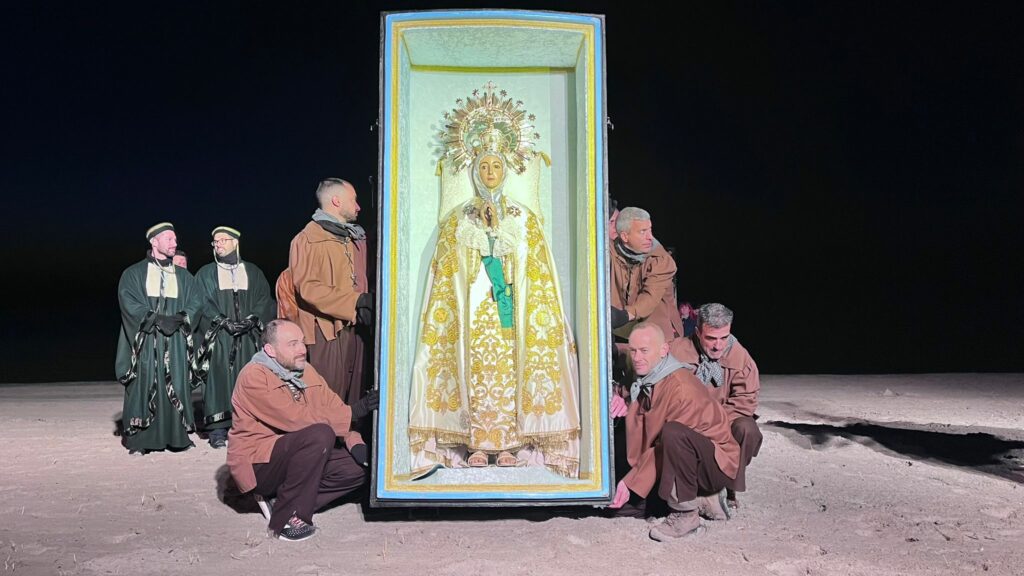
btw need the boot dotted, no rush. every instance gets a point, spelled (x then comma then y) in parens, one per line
(713, 507)
(678, 525)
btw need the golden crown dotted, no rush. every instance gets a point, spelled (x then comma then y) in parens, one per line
(488, 121)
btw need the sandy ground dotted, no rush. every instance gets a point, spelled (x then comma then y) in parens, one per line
(871, 475)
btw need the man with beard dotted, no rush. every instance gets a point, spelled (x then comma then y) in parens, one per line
(237, 304)
(282, 441)
(327, 262)
(677, 437)
(643, 273)
(159, 303)
(731, 375)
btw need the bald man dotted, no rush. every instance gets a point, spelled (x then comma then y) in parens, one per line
(677, 437)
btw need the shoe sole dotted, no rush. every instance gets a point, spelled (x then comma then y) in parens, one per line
(287, 539)
(658, 536)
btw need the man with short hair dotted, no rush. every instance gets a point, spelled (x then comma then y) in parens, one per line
(642, 277)
(282, 440)
(180, 259)
(160, 303)
(237, 304)
(327, 261)
(677, 437)
(731, 375)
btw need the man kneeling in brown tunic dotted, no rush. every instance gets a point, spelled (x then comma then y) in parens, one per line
(675, 430)
(282, 440)
(731, 376)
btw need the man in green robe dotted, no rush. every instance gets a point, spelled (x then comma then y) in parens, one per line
(237, 304)
(159, 304)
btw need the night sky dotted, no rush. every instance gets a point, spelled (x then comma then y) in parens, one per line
(846, 176)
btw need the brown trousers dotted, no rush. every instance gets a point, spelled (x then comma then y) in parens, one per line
(748, 436)
(688, 466)
(305, 473)
(340, 362)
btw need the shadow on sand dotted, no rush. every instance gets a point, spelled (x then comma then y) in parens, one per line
(979, 451)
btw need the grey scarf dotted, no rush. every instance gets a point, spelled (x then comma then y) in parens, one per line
(709, 371)
(290, 377)
(631, 256)
(337, 227)
(666, 366)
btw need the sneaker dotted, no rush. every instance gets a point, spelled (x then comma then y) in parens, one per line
(678, 525)
(297, 530)
(266, 506)
(713, 507)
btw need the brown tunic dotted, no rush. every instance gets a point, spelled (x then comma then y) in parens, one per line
(287, 307)
(739, 393)
(264, 410)
(329, 275)
(679, 397)
(645, 290)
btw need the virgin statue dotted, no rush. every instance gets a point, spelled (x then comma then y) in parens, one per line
(495, 375)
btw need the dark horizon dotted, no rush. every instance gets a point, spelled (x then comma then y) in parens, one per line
(846, 176)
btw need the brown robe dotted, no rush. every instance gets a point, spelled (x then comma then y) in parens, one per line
(742, 382)
(646, 290)
(264, 410)
(679, 397)
(287, 307)
(329, 274)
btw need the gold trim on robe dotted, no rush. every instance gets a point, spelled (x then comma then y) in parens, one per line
(480, 387)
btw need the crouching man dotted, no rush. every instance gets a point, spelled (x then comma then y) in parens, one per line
(282, 440)
(677, 436)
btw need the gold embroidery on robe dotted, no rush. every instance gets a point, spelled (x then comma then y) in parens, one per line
(477, 386)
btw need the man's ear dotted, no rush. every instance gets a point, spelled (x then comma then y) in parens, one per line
(270, 350)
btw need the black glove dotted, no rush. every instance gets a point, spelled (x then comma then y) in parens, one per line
(169, 324)
(149, 324)
(364, 308)
(366, 404)
(619, 317)
(360, 454)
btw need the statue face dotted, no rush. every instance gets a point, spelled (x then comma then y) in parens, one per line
(492, 171)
